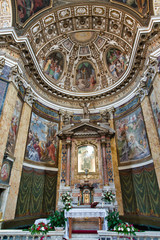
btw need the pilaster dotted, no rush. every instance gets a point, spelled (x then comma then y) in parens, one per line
(152, 135)
(6, 118)
(18, 164)
(156, 87)
(115, 170)
(103, 146)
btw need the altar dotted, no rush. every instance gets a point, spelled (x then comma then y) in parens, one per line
(84, 213)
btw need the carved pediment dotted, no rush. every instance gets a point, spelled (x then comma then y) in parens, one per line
(86, 130)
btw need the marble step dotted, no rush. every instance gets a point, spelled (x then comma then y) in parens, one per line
(84, 237)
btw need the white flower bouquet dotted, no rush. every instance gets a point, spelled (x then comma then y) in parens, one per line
(66, 199)
(108, 196)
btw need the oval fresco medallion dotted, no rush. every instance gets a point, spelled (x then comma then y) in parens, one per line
(85, 76)
(117, 62)
(54, 65)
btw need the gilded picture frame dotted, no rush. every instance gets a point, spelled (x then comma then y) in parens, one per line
(80, 172)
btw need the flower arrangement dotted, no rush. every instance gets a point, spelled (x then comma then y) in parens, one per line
(125, 228)
(57, 219)
(66, 199)
(108, 196)
(40, 228)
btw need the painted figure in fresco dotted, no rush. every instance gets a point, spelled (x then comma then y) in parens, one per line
(132, 138)
(42, 141)
(117, 62)
(85, 77)
(53, 66)
(14, 128)
(26, 8)
(5, 171)
(156, 110)
(32, 153)
(141, 5)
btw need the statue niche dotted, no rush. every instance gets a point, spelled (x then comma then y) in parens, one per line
(86, 192)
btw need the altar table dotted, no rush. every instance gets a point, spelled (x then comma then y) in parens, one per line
(85, 213)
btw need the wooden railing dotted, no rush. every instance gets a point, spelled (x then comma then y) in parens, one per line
(12, 234)
(147, 235)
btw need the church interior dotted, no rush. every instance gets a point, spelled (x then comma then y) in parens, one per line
(79, 108)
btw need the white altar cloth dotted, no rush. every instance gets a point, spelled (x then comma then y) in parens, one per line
(84, 213)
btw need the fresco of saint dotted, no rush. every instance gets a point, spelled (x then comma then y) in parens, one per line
(117, 62)
(131, 137)
(13, 130)
(42, 140)
(53, 65)
(85, 77)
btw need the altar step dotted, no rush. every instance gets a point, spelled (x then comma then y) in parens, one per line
(84, 236)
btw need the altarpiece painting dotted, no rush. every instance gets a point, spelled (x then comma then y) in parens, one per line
(86, 159)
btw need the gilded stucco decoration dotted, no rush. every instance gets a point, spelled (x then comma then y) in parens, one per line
(86, 151)
(5, 13)
(82, 34)
(156, 4)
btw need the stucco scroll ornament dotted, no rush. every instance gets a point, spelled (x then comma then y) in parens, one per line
(29, 97)
(142, 89)
(86, 111)
(2, 63)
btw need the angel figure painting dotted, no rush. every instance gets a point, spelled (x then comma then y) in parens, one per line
(85, 77)
(86, 159)
(42, 140)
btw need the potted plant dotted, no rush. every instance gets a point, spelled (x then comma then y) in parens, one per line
(57, 220)
(113, 219)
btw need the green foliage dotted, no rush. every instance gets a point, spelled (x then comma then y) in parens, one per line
(40, 228)
(113, 219)
(57, 219)
(126, 228)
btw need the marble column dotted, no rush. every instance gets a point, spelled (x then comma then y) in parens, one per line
(68, 141)
(105, 174)
(18, 164)
(6, 117)
(152, 135)
(116, 171)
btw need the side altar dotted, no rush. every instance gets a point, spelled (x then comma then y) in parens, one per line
(86, 163)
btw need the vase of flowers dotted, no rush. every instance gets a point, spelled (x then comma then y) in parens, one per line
(108, 197)
(40, 228)
(67, 200)
(125, 228)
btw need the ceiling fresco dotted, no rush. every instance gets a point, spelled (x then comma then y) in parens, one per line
(82, 51)
(84, 48)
